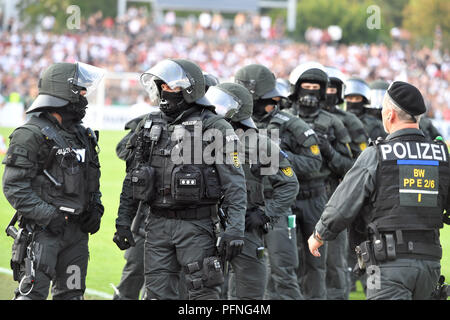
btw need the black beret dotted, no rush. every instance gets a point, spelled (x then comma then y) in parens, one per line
(407, 97)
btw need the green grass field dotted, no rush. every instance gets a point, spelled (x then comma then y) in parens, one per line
(106, 260)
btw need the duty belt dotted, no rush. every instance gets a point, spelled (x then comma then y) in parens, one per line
(418, 244)
(311, 193)
(186, 214)
(422, 244)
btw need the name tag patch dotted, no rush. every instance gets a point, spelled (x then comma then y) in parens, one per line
(419, 183)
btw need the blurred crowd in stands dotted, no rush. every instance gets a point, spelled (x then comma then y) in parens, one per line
(134, 43)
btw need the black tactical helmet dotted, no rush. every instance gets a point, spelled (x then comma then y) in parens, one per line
(355, 86)
(210, 80)
(337, 78)
(259, 80)
(378, 89)
(233, 101)
(309, 72)
(176, 73)
(61, 84)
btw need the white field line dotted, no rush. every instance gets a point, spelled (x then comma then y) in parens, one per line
(88, 291)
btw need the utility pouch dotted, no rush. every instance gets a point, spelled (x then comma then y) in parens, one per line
(212, 183)
(187, 184)
(73, 181)
(73, 174)
(379, 245)
(212, 272)
(364, 255)
(379, 249)
(143, 182)
(390, 246)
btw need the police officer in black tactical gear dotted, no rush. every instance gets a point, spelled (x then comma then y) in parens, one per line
(132, 280)
(300, 143)
(182, 170)
(309, 82)
(378, 89)
(51, 178)
(338, 273)
(395, 197)
(357, 99)
(262, 160)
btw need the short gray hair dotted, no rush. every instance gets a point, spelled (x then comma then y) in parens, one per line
(388, 102)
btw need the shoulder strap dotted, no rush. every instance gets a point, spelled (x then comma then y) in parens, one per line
(47, 129)
(301, 133)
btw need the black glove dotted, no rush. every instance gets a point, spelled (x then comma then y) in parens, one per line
(90, 221)
(123, 237)
(230, 246)
(57, 224)
(325, 147)
(256, 220)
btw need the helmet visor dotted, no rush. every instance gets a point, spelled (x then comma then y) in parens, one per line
(88, 76)
(376, 98)
(168, 71)
(355, 87)
(335, 73)
(226, 104)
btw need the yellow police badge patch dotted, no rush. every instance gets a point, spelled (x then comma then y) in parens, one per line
(363, 146)
(287, 171)
(315, 149)
(236, 162)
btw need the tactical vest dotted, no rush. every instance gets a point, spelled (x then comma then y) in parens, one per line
(374, 127)
(255, 188)
(358, 135)
(180, 184)
(323, 123)
(252, 170)
(294, 135)
(69, 170)
(413, 178)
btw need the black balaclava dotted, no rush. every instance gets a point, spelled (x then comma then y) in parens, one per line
(259, 107)
(172, 103)
(356, 108)
(308, 101)
(73, 113)
(331, 100)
